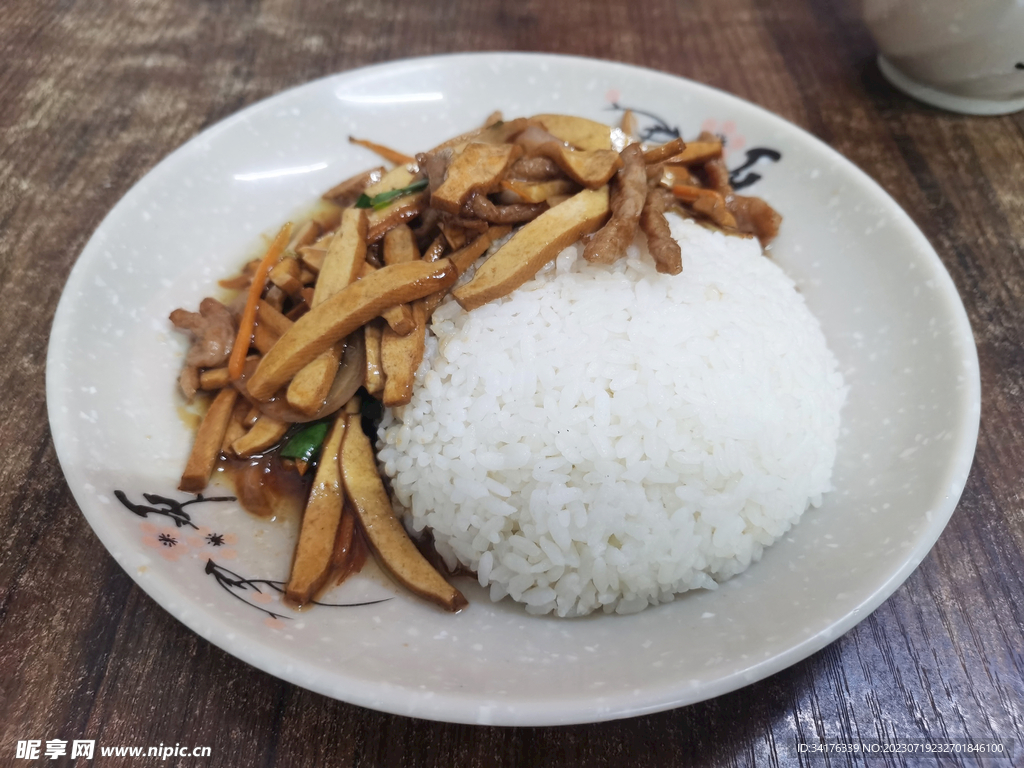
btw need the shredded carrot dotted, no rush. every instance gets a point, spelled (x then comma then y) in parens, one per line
(236, 364)
(689, 194)
(391, 155)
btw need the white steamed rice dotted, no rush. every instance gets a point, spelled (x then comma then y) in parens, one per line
(607, 437)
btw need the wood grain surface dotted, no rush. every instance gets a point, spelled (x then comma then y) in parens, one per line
(95, 92)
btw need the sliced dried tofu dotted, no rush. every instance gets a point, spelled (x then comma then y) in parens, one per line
(214, 378)
(398, 177)
(403, 209)
(537, 243)
(398, 317)
(478, 168)
(537, 191)
(343, 264)
(343, 313)
(496, 133)
(345, 255)
(385, 533)
(374, 381)
(309, 387)
(285, 275)
(578, 131)
(697, 152)
(400, 357)
(304, 235)
(463, 258)
(206, 447)
(590, 168)
(312, 563)
(262, 435)
(312, 257)
(269, 316)
(348, 190)
(400, 245)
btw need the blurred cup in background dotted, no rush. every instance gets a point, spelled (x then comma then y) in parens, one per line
(961, 55)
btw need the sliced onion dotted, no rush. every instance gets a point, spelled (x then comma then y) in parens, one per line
(349, 378)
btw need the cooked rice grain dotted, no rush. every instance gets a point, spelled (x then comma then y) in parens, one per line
(608, 437)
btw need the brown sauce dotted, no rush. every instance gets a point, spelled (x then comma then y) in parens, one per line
(271, 488)
(265, 487)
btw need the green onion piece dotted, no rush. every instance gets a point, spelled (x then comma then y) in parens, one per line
(305, 444)
(383, 200)
(363, 202)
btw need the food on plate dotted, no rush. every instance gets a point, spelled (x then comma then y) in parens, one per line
(587, 403)
(606, 437)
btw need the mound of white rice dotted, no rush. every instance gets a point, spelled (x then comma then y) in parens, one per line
(607, 437)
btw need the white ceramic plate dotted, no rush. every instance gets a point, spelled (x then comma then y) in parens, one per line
(888, 308)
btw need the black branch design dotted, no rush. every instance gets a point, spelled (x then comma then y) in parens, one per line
(237, 585)
(167, 507)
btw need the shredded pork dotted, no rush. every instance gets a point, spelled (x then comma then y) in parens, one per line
(628, 192)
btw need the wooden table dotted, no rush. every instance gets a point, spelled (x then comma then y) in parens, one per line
(95, 92)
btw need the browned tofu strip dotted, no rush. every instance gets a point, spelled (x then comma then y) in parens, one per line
(589, 168)
(305, 235)
(664, 152)
(345, 255)
(400, 357)
(313, 554)
(537, 191)
(343, 264)
(328, 216)
(263, 338)
(234, 431)
(385, 533)
(533, 246)
(272, 318)
(343, 313)
(206, 447)
(264, 434)
(347, 191)
(402, 210)
(399, 317)
(697, 152)
(342, 558)
(498, 133)
(462, 259)
(436, 249)
(400, 245)
(214, 378)
(374, 381)
(479, 167)
(313, 257)
(578, 131)
(285, 275)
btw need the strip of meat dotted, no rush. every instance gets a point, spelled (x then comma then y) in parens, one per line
(534, 169)
(628, 193)
(482, 208)
(668, 257)
(716, 171)
(755, 217)
(213, 329)
(434, 165)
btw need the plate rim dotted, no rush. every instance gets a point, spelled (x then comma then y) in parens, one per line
(458, 707)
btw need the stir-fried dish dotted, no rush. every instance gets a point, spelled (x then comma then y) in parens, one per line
(330, 324)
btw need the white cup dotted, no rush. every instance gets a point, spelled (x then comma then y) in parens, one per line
(961, 55)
